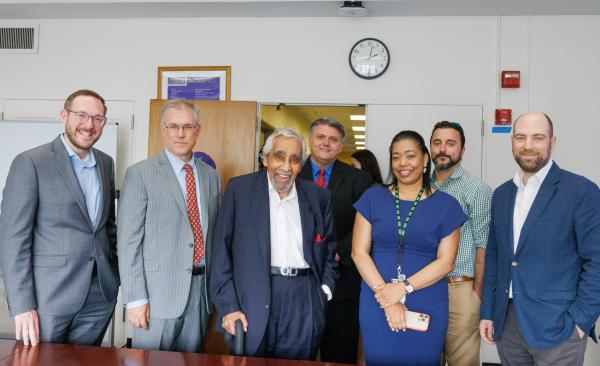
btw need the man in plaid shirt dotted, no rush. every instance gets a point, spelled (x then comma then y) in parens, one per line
(466, 279)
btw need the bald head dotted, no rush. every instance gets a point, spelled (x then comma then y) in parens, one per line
(535, 117)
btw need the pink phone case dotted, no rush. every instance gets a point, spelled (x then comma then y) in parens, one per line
(417, 321)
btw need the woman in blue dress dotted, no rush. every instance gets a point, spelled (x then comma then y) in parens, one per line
(404, 244)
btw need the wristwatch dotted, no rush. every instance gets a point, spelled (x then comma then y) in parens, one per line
(408, 286)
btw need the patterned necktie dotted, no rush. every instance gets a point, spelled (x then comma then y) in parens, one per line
(321, 179)
(194, 214)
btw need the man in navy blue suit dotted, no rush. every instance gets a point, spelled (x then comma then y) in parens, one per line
(273, 262)
(541, 293)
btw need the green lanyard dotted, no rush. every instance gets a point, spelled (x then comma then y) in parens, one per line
(402, 228)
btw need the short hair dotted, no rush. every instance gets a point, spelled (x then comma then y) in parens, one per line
(452, 125)
(328, 122)
(180, 104)
(550, 124)
(285, 132)
(84, 93)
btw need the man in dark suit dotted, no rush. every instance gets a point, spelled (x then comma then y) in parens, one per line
(272, 265)
(58, 235)
(346, 184)
(541, 292)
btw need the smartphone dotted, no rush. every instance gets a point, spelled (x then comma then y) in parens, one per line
(417, 321)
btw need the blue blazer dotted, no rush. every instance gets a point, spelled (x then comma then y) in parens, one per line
(555, 271)
(240, 271)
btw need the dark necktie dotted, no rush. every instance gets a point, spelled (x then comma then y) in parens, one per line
(194, 214)
(321, 179)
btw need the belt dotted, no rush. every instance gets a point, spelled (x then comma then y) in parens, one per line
(455, 279)
(289, 271)
(196, 271)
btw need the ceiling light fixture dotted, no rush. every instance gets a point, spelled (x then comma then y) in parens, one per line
(358, 128)
(359, 137)
(359, 142)
(358, 117)
(352, 9)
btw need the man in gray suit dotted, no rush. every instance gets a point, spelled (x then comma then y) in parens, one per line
(58, 234)
(167, 213)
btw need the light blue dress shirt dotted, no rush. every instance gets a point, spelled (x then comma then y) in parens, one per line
(315, 171)
(89, 179)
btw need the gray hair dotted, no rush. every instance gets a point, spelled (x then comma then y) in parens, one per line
(285, 132)
(179, 104)
(328, 122)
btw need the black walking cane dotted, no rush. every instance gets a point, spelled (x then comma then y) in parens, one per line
(240, 339)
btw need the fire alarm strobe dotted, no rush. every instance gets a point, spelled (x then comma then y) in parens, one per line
(511, 79)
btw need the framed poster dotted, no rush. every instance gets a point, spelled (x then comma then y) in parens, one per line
(194, 82)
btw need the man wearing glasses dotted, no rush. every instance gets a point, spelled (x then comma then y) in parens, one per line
(58, 235)
(167, 213)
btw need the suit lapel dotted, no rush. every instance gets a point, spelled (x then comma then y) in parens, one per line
(542, 199)
(204, 196)
(66, 171)
(336, 178)
(170, 181)
(104, 189)
(262, 220)
(306, 172)
(307, 221)
(512, 195)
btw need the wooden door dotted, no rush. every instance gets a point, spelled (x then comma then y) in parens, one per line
(228, 135)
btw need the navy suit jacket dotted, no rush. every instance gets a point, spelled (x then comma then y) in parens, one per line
(555, 271)
(240, 272)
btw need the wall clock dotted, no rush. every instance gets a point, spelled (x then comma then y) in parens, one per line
(369, 58)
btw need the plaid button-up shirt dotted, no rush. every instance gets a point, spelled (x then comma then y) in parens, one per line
(475, 198)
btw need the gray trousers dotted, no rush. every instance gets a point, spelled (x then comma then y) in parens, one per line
(182, 334)
(86, 327)
(514, 351)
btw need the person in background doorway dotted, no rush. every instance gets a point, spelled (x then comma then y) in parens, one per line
(366, 161)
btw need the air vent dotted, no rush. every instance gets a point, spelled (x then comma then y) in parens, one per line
(19, 38)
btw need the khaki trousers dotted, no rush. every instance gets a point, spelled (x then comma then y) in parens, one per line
(462, 339)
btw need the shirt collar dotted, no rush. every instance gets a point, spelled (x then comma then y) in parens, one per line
(177, 163)
(538, 177)
(273, 194)
(457, 173)
(88, 162)
(315, 168)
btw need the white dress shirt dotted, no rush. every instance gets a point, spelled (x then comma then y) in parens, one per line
(526, 194)
(286, 231)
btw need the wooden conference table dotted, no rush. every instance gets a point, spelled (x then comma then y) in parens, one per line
(47, 354)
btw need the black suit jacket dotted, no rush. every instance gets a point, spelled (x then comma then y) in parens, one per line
(346, 185)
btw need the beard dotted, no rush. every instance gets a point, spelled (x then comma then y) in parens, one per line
(445, 166)
(532, 166)
(72, 137)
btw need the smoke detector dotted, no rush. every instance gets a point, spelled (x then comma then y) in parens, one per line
(352, 9)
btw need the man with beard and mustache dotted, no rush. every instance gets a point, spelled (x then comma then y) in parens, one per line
(466, 279)
(541, 293)
(273, 262)
(58, 234)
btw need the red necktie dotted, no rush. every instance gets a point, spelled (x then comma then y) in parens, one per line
(321, 179)
(193, 213)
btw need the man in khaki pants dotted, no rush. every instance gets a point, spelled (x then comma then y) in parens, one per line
(465, 281)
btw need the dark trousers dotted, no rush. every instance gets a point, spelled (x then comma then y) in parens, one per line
(289, 332)
(514, 351)
(87, 326)
(340, 338)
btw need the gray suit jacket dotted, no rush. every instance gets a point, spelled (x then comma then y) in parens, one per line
(155, 245)
(48, 244)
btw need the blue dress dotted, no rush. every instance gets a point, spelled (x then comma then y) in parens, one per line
(435, 217)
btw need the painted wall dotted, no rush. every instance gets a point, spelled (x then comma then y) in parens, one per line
(452, 60)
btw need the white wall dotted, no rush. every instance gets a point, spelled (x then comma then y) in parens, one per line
(433, 60)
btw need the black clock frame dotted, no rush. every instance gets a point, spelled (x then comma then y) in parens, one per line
(384, 69)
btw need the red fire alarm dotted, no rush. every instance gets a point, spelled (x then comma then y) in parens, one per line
(511, 79)
(504, 117)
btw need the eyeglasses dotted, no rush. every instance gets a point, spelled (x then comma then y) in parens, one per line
(174, 128)
(82, 117)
